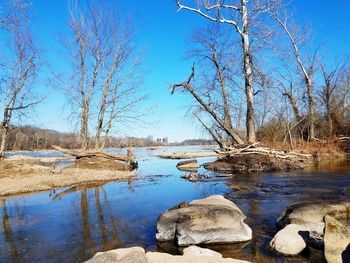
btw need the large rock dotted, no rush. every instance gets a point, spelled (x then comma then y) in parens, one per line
(289, 240)
(121, 255)
(190, 165)
(311, 214)
(336, 241)
(191, 254)
(210, 220)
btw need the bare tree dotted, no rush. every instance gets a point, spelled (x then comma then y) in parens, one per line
(105, 59)
(306, 66)
(333, 92)
(21, 69)
(214, 83)
(87, 60)
(240, 15)
(187, 86)
(121, 81)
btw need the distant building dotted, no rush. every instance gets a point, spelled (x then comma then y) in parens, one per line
(165, 140)
(159, 140)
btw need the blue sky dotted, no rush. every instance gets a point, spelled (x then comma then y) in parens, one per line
(163, 33)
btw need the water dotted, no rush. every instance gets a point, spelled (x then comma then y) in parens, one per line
(72, 224)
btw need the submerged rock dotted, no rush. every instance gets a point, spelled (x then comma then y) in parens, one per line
(336, 241)
(191, 254)
(289, 240)
(193, 177)
(190, 165)
(210, 220)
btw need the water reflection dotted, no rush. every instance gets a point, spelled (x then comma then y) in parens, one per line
(72, 224)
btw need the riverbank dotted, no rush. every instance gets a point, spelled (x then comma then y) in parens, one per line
(256, 158)
(19, 175)
(122, 214)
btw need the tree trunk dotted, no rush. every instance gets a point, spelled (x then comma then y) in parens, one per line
(229, 130)
(248, 75)
(84, 129)
(294, 105)
(3, 140)
(227, 113)
(311, 105)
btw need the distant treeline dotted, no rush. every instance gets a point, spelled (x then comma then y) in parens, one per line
(32, 138)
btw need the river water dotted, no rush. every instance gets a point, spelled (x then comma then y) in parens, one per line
(72, 224)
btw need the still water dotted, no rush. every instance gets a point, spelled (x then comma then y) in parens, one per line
(72, 224)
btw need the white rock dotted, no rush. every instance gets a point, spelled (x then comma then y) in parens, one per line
(210, 220)
(121, 255)
(288, 241)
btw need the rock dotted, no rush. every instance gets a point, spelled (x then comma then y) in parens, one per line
(190, 165)
(336, 241)
(194, 177)
(121, 255)
(192, 254)
(198, 251)
(288, 241)
(311, 214)
(210, 220)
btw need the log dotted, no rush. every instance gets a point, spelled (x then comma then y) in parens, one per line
(89, 154)
(129, 160)
(252, 149)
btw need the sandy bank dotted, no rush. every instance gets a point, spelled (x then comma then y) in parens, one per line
(187, 154)
(25, 176)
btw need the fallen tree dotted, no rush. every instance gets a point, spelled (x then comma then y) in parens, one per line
(98, 159)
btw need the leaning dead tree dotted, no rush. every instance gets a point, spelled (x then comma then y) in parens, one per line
(240, 15)
(217, 65)
(20, 71)
(187, 86)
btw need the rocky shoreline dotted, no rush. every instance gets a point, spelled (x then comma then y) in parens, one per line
(216, 220)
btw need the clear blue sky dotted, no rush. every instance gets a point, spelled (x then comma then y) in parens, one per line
(163, 33)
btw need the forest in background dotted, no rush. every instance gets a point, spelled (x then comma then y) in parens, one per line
(32, 138)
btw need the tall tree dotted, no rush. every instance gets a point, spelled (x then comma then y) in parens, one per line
(305, 64)
(106, 61)
(240, 15)
(20, 70)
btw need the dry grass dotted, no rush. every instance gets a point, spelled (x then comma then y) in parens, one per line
(313, 147)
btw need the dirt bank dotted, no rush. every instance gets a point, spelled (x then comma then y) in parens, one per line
(25, 175)
(254, 163)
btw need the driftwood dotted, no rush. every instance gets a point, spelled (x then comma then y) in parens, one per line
(97, 155)
(253, 149)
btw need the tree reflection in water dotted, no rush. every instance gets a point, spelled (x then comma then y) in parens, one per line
(99, 229)
(9, 240)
